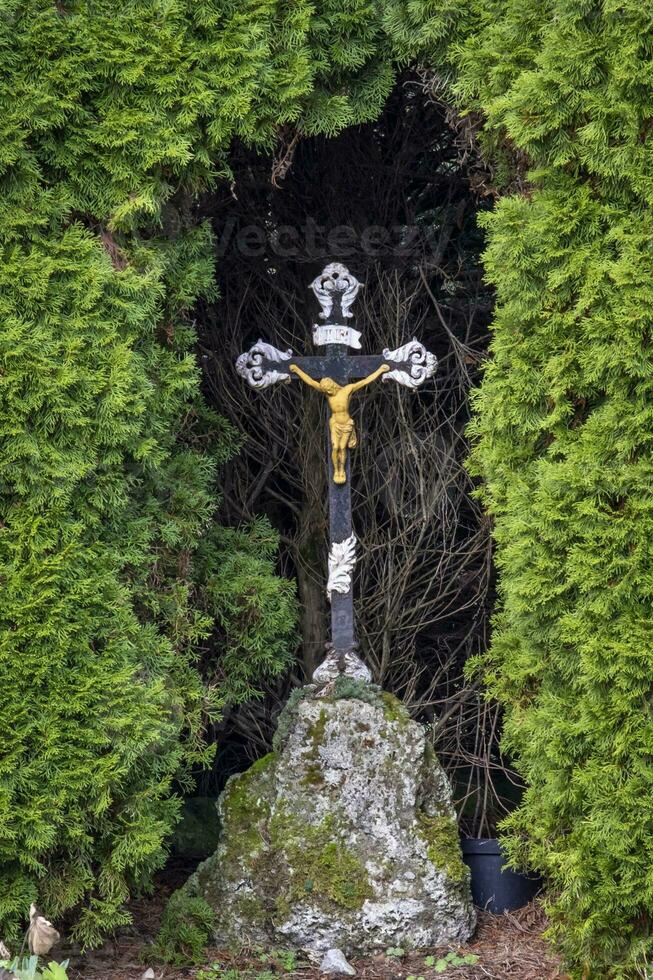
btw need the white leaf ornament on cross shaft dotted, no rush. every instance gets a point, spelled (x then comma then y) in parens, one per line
(421, 364)
(252, 365)
(342, 559)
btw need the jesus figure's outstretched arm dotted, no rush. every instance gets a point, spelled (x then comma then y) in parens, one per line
(370, 378)
(306, 378)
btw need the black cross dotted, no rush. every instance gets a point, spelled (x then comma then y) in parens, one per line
(410, 366)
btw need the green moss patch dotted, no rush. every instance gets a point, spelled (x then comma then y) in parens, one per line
(245, 807)
(321, 866)
(314, 775)
(443, 845)
(393, 709)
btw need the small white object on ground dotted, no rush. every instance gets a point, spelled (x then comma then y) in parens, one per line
(41, 934)
(149, 974)
(334, 962)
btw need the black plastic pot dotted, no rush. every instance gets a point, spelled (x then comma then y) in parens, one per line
(495, 888)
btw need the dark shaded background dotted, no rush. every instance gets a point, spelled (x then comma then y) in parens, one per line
(393, 201)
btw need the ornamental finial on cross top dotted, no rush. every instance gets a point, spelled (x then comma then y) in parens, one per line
(333, 374)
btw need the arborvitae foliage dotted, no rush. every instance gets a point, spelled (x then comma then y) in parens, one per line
(565, 431)
(113, 575)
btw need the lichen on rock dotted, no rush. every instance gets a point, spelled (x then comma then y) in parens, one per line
(344, 837)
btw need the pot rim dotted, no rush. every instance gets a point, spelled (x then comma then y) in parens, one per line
(481, 845)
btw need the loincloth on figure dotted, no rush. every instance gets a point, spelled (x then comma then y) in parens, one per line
(343, 433)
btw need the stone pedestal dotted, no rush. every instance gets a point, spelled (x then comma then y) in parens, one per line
(344, 837)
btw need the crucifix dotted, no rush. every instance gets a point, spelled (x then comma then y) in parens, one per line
(334, 375)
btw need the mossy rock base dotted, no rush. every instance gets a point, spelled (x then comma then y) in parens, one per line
(344, 837)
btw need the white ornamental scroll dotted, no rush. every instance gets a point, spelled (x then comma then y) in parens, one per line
(342, 559)
(335, 278)
(335, 333)
(421, 364)
(251, 365)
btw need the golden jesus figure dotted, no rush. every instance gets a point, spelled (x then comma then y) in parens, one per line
(341, 424)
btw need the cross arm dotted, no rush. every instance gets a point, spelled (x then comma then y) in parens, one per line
(264, 365)
(341, 369)
(410, 365)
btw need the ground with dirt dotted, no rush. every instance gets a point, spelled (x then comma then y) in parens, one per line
(505, 947)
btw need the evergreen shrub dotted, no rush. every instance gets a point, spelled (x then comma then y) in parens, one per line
(186, 930)
(564, 432)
